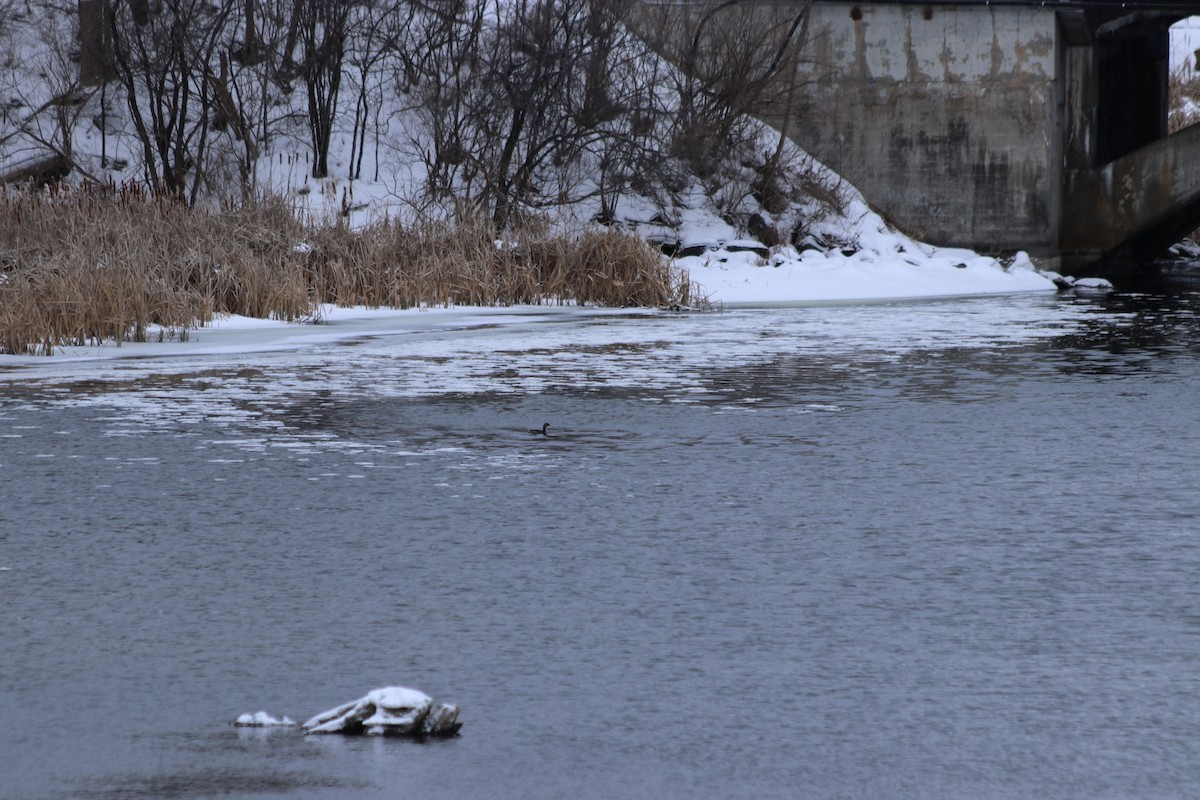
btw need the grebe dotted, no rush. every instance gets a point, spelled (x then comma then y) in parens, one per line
(542, 432)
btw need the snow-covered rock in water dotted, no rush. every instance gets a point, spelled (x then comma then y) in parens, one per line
(1093, 285)
(261, 719)
(393, 710)
(1079, 284)
(1185, 249)
(1061, 281)
(442, 720)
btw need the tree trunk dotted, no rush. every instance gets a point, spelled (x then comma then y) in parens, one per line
(95, 44)
(500, 217)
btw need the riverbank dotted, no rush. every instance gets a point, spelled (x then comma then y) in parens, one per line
(803, 281)
(96, 269)
(91, 276)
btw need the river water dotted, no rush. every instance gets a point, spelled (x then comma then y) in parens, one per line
(925, 550)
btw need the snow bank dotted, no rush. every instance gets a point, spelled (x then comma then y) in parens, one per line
(234, 336)
(879, 263)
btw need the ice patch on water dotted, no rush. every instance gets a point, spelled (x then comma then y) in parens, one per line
(261, 719)
(675, 358)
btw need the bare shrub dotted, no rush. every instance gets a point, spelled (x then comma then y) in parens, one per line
(1183, 91)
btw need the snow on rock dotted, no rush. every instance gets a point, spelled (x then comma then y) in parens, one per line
(1098, 285)
(1093, 285)
(392, 710)
(261, 719)
(854, 255)
(886, 267)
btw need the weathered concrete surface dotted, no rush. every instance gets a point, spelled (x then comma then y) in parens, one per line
(997, 126)
(1136, 204)
(946, 117)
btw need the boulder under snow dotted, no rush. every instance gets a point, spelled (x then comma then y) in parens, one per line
(394, 710)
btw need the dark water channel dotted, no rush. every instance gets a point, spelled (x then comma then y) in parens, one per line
(932, 550)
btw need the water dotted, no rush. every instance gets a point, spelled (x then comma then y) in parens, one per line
(928, 550)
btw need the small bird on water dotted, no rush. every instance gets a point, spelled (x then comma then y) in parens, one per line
(542, 432)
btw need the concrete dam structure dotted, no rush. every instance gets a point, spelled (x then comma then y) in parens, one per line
(1002, 125)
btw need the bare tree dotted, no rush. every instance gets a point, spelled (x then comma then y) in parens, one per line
(735, 60)
(379, 35)
(251, 50)
(440, 63)
(323, 30)
(95, 46)
(164, 56)
(526, 102)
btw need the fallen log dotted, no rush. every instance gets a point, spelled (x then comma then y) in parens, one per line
(40, 170)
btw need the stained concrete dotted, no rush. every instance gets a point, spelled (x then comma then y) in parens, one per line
(998, 126)
(946, 117)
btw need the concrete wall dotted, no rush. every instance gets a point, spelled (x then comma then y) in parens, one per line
(946, 117)
(1135, 206)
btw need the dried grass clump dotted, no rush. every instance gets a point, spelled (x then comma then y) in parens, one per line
(89, 267)
(605, 269)
(1183, 92)
(433, 263)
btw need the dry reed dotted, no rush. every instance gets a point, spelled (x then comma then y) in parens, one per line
(1183, 98)
(88, 267)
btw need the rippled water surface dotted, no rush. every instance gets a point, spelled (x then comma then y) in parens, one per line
(936, 550)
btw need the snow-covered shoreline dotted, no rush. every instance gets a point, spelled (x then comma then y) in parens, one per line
(737, 283)
(236, 335)
(852, 255)
(886, 266)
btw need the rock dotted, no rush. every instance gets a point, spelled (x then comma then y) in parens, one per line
(1186, 249)
(719, 248)
(442, 721)
(810, 242)
(667, 245)
(763, 231)
(1093, 285)
(1062, 282)
(748, 246)
(394, 710)
(693, 250)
